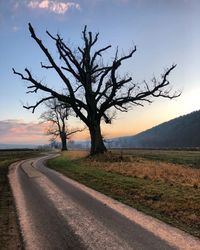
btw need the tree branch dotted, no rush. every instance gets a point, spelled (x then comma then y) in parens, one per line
(45, 66)
(33, 107)
(74, 131)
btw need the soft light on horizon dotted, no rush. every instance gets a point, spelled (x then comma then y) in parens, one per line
(165, 32)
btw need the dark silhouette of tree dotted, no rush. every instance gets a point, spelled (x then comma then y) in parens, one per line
(57, 114)
(94, 89)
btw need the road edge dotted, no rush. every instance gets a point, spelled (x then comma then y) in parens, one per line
(166, 232)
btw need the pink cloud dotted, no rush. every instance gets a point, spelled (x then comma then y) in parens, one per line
(53, 6)
(17, 131)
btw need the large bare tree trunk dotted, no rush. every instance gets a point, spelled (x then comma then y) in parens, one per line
(97, 144)
(63, 141)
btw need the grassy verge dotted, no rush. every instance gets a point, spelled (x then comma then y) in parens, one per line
(190, 158)
(9, 231)
(177, 203)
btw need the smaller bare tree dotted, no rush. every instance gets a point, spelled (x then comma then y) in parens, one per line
(57, 115)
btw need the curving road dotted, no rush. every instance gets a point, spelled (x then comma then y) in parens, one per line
(58, 213)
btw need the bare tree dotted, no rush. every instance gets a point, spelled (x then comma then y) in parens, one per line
(94, 89)
(57, 114)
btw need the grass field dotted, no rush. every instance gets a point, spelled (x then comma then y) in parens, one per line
(164, 184)
(9, 231)
(189, 158)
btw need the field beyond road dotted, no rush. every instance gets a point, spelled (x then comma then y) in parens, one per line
(9, 231)
(164, 184)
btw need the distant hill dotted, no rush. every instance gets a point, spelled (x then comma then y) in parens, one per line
(181, 132)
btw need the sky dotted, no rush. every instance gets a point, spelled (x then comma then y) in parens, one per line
(164, 31)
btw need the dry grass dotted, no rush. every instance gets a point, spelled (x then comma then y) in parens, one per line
(152, 170)
(129, 165)
(167, 191)
(76, 154)
(181, 157)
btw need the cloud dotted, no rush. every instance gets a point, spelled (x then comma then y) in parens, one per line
(53, 5)
(17, 131)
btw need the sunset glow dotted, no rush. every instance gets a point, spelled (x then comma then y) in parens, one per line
(165, 32)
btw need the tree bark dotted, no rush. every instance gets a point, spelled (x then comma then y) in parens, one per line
(63, 141)
(97, 144)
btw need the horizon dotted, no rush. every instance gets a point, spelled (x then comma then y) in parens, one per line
(87, 136)
(164, 32)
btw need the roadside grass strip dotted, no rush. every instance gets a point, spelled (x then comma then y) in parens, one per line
(176, 203)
